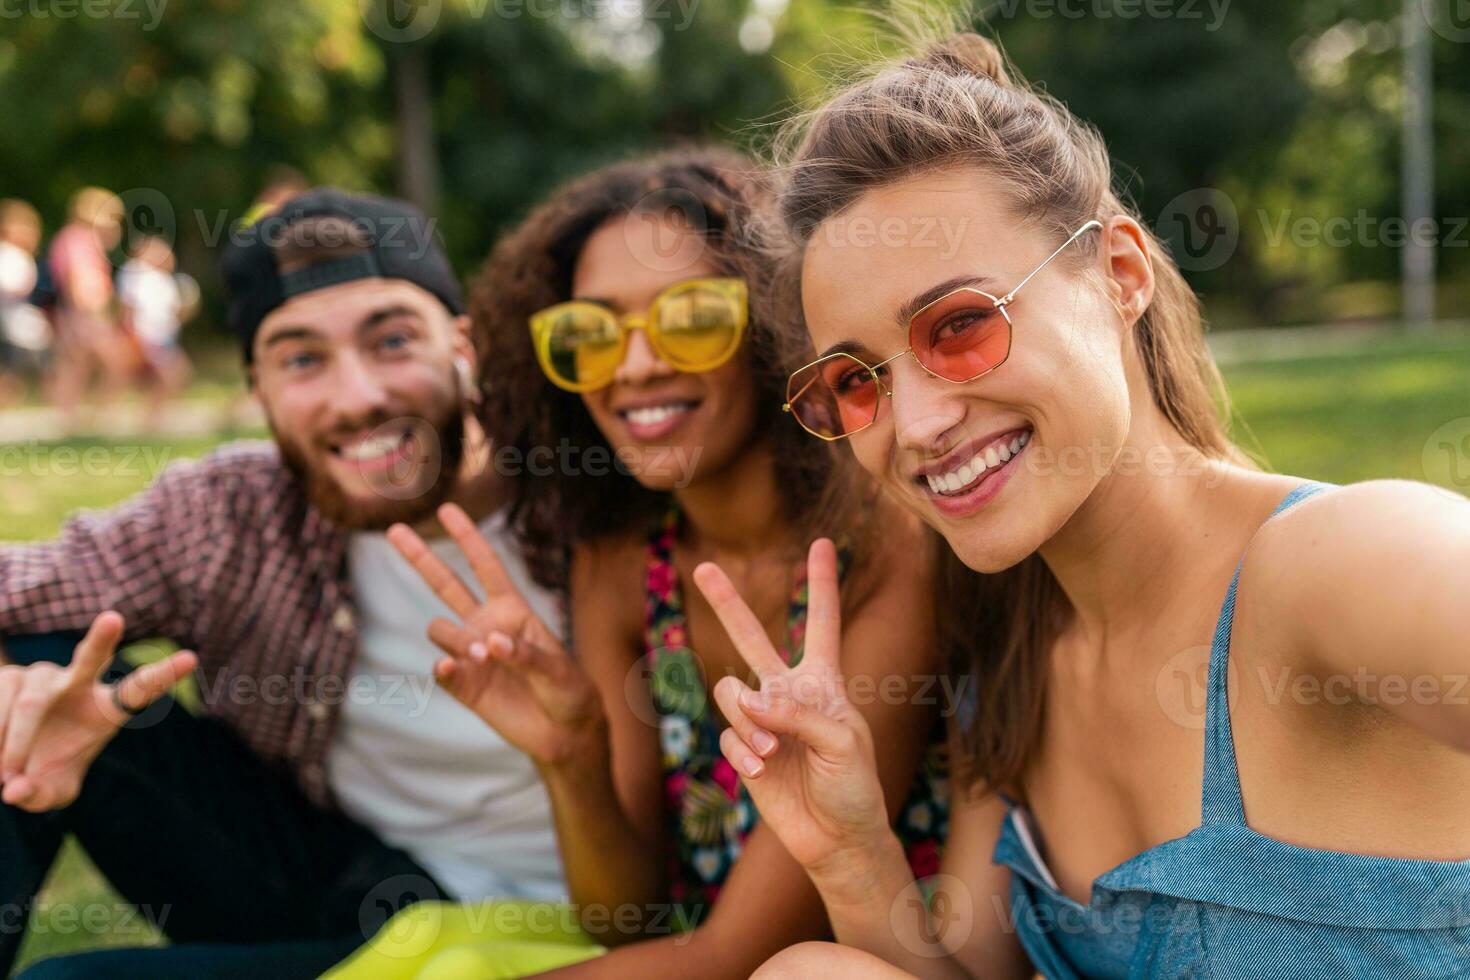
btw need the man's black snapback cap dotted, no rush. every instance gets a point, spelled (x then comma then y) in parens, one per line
(399, 243)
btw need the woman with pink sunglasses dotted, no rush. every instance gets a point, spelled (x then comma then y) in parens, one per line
(1220, 724)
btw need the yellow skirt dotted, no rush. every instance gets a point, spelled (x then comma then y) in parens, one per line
(489, 941)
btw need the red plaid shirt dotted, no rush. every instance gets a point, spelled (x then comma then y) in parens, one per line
(223, 556)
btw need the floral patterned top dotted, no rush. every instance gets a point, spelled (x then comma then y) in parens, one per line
(709, 811)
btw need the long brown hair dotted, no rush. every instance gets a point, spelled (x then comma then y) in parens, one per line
(726, 198)
(958, 104)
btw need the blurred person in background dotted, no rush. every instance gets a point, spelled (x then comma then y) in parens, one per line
(88, 341)
(25, 332)
(154, 300)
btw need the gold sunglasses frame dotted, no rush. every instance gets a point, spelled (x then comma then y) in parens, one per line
(1001, 304)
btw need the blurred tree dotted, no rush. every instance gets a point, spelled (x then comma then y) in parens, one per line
(185, 116)
(1291, 109)
(1199, 99)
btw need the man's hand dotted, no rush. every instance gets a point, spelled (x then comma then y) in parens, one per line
(55, 721)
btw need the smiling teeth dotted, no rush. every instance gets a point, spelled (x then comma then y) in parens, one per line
(655, 415)
(372, 448)
(994, 455)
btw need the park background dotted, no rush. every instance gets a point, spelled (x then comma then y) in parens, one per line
(1284, 149)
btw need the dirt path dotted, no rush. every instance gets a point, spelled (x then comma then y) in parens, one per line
(186, 417)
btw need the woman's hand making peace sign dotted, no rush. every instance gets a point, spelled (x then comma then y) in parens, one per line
(803, 750)
(503, 663)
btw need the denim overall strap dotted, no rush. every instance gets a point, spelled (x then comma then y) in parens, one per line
(1222, 802)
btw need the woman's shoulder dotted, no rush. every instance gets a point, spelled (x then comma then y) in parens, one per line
(1337, 528)
(610, 561)
(608, 580)
(896, 542)
(1352, 554)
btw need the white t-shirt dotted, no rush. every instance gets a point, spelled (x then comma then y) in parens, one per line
(416, 766)
(17, 273)
(153, 297)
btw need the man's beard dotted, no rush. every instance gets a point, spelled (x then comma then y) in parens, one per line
(388, 507)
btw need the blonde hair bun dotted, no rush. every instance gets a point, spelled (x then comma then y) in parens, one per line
(966, 54)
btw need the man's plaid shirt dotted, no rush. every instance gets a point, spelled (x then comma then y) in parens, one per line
(223, 556)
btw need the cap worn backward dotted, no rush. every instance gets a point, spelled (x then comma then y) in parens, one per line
(403, 245)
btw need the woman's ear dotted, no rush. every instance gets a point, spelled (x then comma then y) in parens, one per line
(1127, 266)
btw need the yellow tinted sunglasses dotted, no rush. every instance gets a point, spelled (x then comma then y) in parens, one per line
(695, 325)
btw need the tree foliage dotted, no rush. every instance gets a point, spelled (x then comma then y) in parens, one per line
(1288, 108)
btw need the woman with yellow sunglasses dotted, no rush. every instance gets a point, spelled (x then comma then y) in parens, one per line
(636, 401)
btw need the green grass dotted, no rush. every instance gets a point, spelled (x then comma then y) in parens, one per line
(1342, 417)
(1359, 415)
(45, 481)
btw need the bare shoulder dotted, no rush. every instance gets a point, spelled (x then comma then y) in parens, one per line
(1349, 567)
(897, 564)
(609, 560)
(888, 601)
(1344, 530)
(607, 589)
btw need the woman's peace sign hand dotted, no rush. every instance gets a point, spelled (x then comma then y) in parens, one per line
(503, 662)
(803, 750)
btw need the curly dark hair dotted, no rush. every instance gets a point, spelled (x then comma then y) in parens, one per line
(721, 195)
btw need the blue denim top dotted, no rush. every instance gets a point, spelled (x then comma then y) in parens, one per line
(1225, 901)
